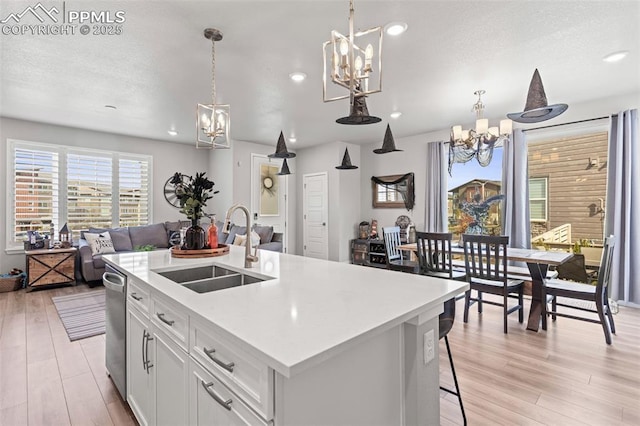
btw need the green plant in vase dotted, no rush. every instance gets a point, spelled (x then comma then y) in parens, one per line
(193, 194)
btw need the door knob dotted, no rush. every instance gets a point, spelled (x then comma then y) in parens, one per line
(324, 224)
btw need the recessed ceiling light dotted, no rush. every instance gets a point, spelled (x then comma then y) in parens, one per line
(616, 56)
(292, 139)
(395, 28)
(172, 132)
(111, 107)
(297, 76)
(395, 114)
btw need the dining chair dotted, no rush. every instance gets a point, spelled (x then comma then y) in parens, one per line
(485, 259)
(434, 255)
(394, 257)
(598, 294)
(434, 259)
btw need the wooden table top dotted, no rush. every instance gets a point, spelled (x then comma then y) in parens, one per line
(517, 254)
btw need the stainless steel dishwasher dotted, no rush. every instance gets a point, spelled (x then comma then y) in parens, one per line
(115, 283)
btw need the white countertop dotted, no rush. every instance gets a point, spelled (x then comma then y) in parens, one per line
(311, 310)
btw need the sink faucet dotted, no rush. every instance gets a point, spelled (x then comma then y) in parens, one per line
(248, 257)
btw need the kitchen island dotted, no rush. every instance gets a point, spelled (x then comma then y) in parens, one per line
(315, 342)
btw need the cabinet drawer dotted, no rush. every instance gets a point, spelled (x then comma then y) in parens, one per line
(172, 319)
(138, 296)
(243, 373)
(212, 403)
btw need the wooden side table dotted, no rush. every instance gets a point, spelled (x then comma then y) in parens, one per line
(50, 266)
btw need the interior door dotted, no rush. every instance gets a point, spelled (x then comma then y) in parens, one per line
(269, 194)
(315, 216)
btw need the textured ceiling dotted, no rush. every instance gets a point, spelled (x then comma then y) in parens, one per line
(158, 69)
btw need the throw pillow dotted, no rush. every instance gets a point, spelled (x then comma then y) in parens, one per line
(239, 240)
(265, 232)
(119, 236)
(235, 229)
(100, 243)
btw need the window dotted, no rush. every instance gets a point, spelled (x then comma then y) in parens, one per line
(80, 187)
(538, 199)
(394, 191)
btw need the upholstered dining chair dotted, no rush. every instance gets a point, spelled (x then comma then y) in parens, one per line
(434, 259)
(598, 294)
(485, 259)
(394, 257)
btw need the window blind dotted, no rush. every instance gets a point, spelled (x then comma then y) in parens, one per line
(133, 192)
(89, 191)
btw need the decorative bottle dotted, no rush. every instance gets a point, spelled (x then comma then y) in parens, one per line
(194, 237)
(212, 236)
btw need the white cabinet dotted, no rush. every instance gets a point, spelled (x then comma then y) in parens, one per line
(170, 380)
(212, 403)
(157, 367)
(139, 379)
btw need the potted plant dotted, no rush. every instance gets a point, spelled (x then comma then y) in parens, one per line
(193, 195)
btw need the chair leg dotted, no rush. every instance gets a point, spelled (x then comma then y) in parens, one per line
(521, 302)
(600, 306)
(610, 316)
(554, 308)
(467, 301)
(479, 302)
(455, 381)
(505, 311)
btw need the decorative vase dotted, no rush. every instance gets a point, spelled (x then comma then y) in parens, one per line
(194, 237)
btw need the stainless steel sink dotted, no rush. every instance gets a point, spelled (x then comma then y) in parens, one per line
(220, 283)
(195, 274)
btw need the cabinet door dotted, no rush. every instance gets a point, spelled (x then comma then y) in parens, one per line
(138, 377)
(171, 378)
(212, 403)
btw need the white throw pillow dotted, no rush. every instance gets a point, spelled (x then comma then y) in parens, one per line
(100, 243)
(240, 239)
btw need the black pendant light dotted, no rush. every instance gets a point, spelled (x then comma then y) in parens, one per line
(281, 149)
(388, 144)
(284, 170)
(346, 162)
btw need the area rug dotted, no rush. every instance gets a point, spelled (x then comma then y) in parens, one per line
(82, 314)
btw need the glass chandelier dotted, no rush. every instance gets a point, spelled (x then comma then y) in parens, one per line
(353, 62)
(213, 121)
(482, 132)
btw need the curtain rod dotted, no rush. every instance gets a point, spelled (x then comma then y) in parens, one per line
(572, 122)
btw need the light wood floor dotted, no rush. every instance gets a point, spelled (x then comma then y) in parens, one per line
(564, 376)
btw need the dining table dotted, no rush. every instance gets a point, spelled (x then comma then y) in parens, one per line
(538, 262)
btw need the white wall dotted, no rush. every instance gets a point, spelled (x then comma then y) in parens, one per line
(168, 158)
(343, 194)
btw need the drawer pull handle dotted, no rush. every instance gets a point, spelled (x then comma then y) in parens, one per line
(166, 321)
(136, 297)
(209, 353)
(207, 386)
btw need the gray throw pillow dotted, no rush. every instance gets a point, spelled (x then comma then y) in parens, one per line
(154, 235)
(119, 236)
(265, 232)
(232, 233)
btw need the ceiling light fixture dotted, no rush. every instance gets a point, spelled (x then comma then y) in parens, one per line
(213, 121)
(172, 132)
(478, 142)
(297, 76)
(292, 139)
(395, 114)
(482, 133)
(616, 56)
(354, 67)
(395, 28)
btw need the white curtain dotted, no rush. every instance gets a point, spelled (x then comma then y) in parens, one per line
(515, 187)
(623, 206)
(435, 211)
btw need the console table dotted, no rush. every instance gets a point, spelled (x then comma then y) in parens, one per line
(50, 266)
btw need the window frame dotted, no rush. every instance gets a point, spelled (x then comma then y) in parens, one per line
(398, 203)
(545, 199)
(62, 151)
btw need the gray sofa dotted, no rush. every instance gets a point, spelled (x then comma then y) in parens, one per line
(127, 239)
